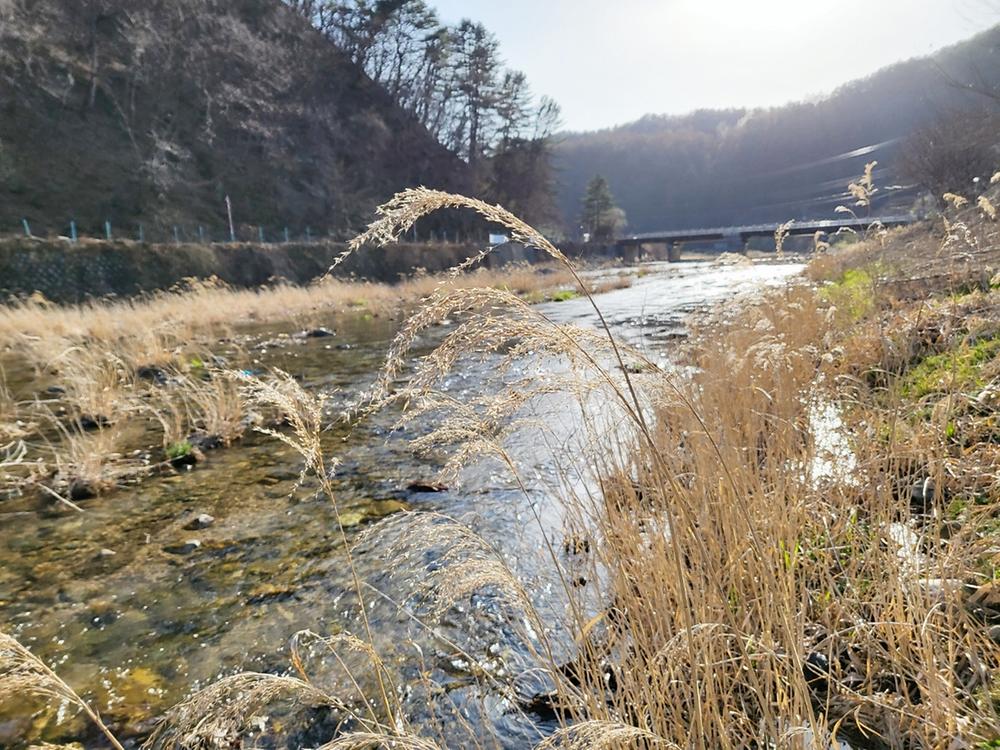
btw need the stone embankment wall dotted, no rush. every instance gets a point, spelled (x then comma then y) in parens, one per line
(66, 272)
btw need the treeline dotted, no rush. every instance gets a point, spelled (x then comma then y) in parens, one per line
(738, 166)
(452, 80)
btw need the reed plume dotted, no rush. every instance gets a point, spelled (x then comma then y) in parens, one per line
(218, 715)
(22, 673)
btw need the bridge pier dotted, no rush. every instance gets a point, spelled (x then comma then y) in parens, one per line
(734, 243)
(673, 252)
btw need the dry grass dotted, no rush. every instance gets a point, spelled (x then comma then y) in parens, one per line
(127, 363)
(145, 330)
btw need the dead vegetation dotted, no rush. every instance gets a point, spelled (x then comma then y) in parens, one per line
(150, 366)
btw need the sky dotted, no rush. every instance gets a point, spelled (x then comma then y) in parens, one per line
(609, 62)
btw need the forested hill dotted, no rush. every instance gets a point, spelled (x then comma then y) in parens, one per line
(152, 111)
(715, 168)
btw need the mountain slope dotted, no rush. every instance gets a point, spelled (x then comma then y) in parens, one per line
(744, 166)
(152, 111)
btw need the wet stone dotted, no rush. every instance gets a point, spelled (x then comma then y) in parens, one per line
(91, 422)
(201, 521)
(205, 441)
(81, 490)
(426, 486)
(318, 333)
(187, 460)
(153, 374)
(183, 548)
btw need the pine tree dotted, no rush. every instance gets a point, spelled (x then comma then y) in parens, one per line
(601, 217)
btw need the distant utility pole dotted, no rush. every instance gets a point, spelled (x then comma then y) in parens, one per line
(229, 213)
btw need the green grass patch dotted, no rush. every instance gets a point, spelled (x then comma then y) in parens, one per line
(180, 449)
(853, 294)
(564, 295)
(959, 370)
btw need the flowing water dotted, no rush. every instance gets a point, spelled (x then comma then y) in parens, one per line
(124, 604)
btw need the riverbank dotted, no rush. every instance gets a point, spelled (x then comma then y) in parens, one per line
(828, 493)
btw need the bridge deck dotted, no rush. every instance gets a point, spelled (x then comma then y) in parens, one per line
(764, 230)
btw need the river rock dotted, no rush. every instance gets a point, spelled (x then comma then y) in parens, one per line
(187, 460)
(318, 333)
(923, 494)
(153, 374)
(91, 422)
(81, 489)
(184, 548)
(201, 521)
(426, 486)
(205, 441)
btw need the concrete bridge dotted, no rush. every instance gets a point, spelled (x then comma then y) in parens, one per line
(735, 238)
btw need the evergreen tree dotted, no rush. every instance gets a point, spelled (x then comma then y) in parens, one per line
(601, 217)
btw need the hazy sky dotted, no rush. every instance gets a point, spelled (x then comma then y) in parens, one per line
(611, 61)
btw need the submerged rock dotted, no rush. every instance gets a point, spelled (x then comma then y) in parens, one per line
(317, 333)
(350, 518)
(201, 521)
(426, 486)
(184, 548)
